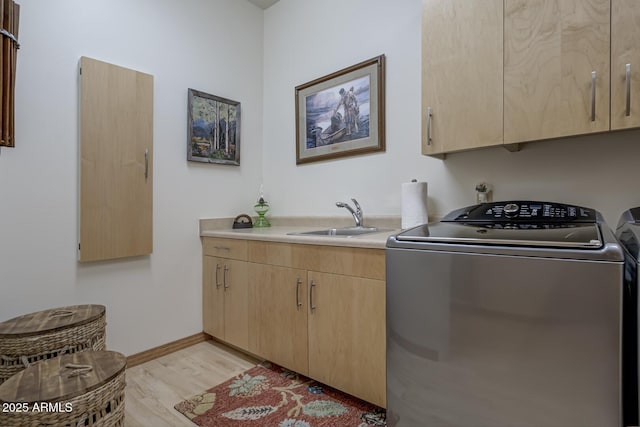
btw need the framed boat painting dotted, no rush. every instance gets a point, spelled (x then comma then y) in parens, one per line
(341, 114)
(213, 129)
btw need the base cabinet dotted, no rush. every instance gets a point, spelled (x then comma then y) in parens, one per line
(320, 311)
(317, 310)
(212, 298)
(278, 305)
(347, 334)
(225, 311)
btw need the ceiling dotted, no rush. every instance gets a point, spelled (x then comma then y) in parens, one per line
(264, 4)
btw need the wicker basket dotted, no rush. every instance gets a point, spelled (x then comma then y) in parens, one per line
(50, 333)
(82, 389)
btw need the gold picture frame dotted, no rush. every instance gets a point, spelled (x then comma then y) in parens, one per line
(342, 114)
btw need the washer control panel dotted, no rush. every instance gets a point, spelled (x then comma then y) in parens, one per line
(523, 211)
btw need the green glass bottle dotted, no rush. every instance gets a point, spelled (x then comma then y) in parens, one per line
(261, 208)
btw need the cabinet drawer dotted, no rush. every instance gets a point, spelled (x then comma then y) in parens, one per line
(225, 248)
(367, 263)
(273, 253)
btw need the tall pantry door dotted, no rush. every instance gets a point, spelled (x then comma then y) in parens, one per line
(116, 168)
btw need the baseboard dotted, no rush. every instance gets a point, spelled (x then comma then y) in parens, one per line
(240, 352)
(163, 350)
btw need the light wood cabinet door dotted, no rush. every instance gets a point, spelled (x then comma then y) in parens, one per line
(116, 161)
(212, 296)
(552, 48)
(462, 74)
(278, 320)
(347, 347)
(625, 53)
(236, 302)
(225, 300)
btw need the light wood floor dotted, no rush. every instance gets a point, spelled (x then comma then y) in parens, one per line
(154, 387)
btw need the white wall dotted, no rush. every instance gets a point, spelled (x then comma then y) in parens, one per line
(188, 44)
(200, 44)
(307, 39)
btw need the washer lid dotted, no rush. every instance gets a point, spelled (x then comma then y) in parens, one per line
(515, 223)
(577, 235)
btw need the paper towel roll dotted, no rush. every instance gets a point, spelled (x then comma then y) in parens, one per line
(414, 204)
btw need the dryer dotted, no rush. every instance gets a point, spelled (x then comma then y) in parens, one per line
(628, 233)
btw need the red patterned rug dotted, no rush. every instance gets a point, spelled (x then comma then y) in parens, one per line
(268, 395)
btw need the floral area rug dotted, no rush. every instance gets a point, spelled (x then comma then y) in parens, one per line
(269, 395)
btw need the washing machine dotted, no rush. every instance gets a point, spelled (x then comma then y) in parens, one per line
(628, 233)
(506, 314)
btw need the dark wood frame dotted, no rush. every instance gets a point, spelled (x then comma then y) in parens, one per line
(9, 21)
(375, 141)
(235, 160)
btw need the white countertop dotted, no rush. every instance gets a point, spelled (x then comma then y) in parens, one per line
(282, 227)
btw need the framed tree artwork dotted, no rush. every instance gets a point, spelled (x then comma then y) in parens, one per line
(213, 129)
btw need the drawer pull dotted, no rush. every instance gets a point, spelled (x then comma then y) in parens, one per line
(627, 110)
(146, 164)
(593, 96)
(298, 303)
(311, 286)
(429, 114)
(217, 281)
(224, 277)
(222, 248)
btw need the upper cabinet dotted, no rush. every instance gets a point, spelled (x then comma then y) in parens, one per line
(461, 74)
(625, 64)
(556, 68)
(512, 71)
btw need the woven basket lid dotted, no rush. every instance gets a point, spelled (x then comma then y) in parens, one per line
(64, 377)
(50, 320)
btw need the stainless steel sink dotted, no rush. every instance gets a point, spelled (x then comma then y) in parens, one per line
(341, 232)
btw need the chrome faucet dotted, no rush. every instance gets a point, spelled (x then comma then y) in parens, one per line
(357, 214)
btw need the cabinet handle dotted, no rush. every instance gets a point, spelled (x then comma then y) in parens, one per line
(429, 114)
(311, 286)
(217, 282)
(593, 96)
(224, 276)
(627, 111)
(146, 163)
(298, 303)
